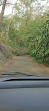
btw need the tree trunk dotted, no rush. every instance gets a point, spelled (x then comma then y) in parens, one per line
(2, 13)
(8, 26)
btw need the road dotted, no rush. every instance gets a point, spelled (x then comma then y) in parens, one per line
(25, 64)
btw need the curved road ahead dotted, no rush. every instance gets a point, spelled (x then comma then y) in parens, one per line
(24, 64)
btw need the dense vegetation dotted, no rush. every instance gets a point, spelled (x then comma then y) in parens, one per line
(36, 38)
(27, 33)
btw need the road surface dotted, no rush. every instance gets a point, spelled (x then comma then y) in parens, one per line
(25, 64)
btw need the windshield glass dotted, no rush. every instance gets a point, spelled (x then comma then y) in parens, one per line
(24, 38)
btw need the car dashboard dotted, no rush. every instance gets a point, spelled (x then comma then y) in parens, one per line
(24, 94)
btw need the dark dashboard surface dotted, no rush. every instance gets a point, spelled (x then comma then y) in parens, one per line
(24, 82)
(19, 94)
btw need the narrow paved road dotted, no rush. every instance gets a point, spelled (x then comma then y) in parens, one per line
(25, 64)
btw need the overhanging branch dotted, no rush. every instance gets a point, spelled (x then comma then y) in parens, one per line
(9, 4)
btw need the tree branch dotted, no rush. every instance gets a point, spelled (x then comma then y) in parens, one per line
(9, 4)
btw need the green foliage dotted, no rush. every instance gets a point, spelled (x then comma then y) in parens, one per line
(5, 25)
(36, 38)
(5, 50)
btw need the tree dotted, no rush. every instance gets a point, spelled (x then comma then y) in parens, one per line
(2, 13)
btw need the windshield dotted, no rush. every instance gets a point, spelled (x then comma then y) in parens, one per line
(24, 38)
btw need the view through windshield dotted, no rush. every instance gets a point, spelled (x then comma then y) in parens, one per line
(24, 37)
